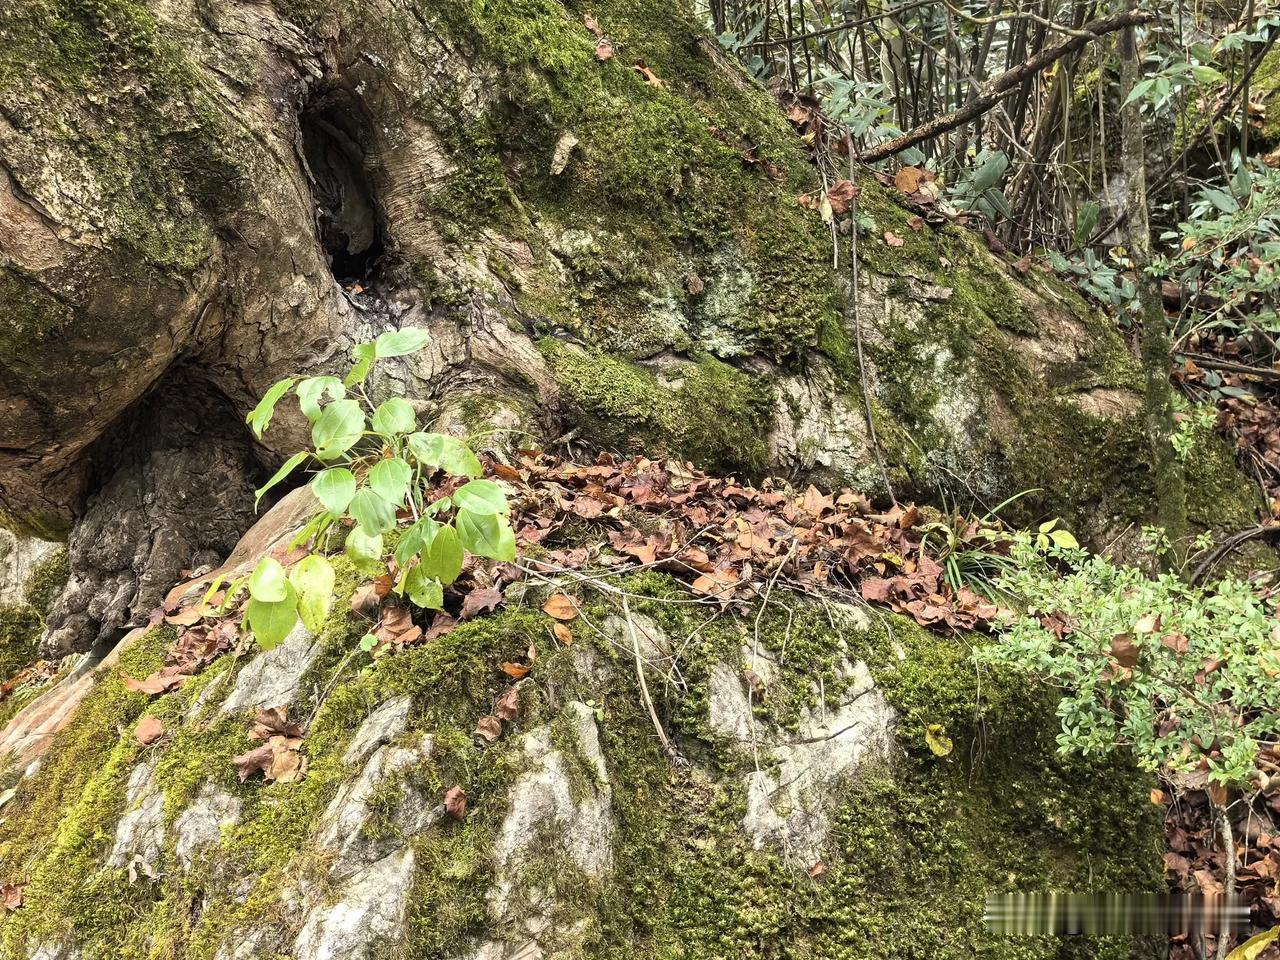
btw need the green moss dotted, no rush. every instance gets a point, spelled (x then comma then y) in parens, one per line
(46, 581)
(20, 629)
(118, 97)
(705, 410)
(914, 846)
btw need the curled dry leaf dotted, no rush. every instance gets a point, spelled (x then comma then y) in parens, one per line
(561, 606)
(892, 239)
(162, 681)
(478, 601)
(908, 179)
(11, 896)
(278, 760)
(1157, 797)
(507, 708)
(604, 49)
(649, 77)
(488, 729)
(1124, 650)
(842, 195)
(455, 802)
(817, 869)
(563, 634)
(516, 670)
(590, 23)
(148, 730)
(366, 599)
(1177, 642)
(273, 721)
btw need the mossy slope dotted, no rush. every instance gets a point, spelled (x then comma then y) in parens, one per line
(917, 840)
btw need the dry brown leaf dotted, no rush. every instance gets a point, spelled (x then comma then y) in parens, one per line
(488, 729)
(1176, 642)
(455, 802)
(817, 869)
(907, 180)
(1124, 650)
(507, 706)
(516, 670)
(842, 195)
(892, 239)
(365, 600)
(157, 683)
(148, 730)
(1157, 797)
(188, 616)
(604, 49)
(478, 601)
(590, 23)
(11, 896)
(649, 77)
(561, 606)
(563, 634)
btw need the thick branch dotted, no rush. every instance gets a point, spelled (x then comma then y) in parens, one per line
(1005, 84)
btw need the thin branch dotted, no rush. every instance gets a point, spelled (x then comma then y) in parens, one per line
(1005, 84)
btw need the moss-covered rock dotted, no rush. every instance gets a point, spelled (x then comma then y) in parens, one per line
(912, 841)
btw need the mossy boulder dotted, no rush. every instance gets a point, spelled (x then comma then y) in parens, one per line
(599, 250)
(582, 836)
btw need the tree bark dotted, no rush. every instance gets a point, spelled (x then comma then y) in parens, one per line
(1154, 342)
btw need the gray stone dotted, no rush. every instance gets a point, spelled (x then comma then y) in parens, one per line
(340, 832)
(19, 556)
(200, 825)
(368, 914)
(790, 805)
(543, 797)
(55, 951)
(383, 725)
(140, 833)
(729, 710)
(272, 679)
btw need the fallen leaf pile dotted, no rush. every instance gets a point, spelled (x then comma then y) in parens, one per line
(280, 758)
(1195, 863)
(730, 541)
(197, 646)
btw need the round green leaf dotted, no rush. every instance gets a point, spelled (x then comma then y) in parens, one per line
(374, 514)
(268, 582)
(364, 548)
(481, 496)
(340, 426)
(389, 479)
(311, 390)
(334, 488)
(426, 592)
(443, 559)
(259, 418)
(313, 580)
(395, 416)
(486, 535)
(271, 622)
(448, 453)
(397, 343)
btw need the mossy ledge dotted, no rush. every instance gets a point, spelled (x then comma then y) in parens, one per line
(916, 840)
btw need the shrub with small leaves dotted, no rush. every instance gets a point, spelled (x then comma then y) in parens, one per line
(1183, 676)
(375, 470)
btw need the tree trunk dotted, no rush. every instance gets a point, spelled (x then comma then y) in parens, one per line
(198, 198)
(1155, 344)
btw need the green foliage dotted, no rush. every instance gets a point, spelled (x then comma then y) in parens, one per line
(378, 469)
(1182, 676)
(1226, 254)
